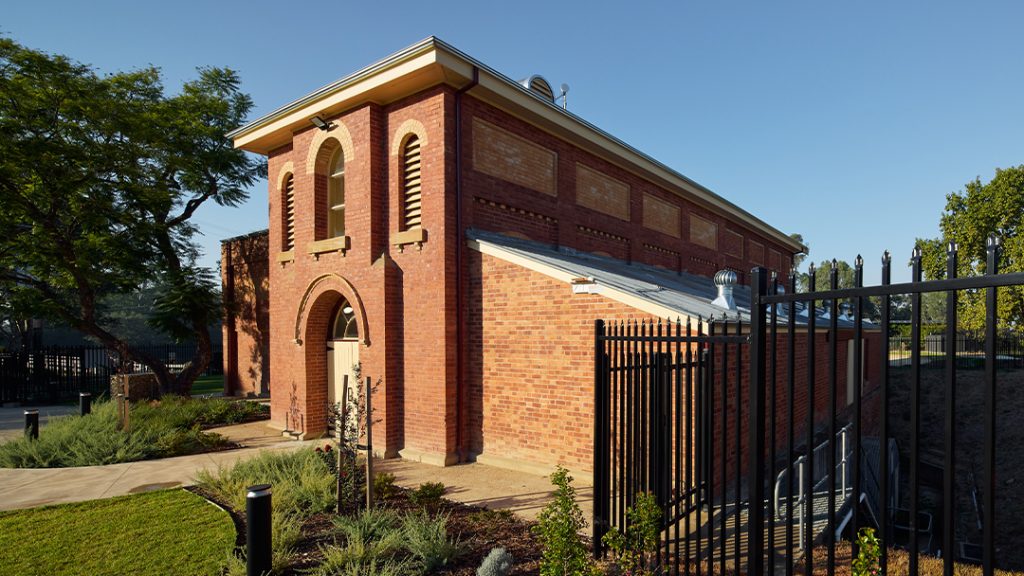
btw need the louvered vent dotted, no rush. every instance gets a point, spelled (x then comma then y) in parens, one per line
(411, 184)
(539, 86)
(289, 213)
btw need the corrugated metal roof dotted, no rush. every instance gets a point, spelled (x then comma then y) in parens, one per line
(687, 294)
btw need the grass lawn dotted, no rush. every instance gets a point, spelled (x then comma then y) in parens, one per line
(208, 385)
(168, 532)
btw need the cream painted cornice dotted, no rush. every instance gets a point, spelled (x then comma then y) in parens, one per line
(432, 62)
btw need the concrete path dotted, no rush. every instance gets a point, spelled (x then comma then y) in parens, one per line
(29, 487)
(12, 419)
(522, 492)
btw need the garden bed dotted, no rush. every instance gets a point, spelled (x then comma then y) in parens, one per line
(169, 427)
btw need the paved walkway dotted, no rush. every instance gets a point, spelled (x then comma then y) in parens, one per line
(12, 419)
(522, 492)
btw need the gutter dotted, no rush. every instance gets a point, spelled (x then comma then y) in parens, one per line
(460, 292)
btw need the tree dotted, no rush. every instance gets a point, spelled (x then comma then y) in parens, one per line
(100, 176)
(970, 217)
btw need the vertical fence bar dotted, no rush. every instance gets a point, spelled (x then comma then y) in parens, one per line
(858, 359)
(757, 382)
(790, 425)
(773, 327)
(600, 440)
(915, 406)
(884, 533)
(833, 383)
(622, 427)
(949, 474)
(989, 513)
(724, 375)
(703, 453)
(809, 480)
(688, 485)
(738, 471)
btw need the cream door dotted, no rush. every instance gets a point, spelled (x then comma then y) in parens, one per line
(342, 356)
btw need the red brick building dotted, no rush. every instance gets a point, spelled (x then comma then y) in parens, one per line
(456, 233)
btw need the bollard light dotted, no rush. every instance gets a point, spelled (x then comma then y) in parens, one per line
(84, 403)
(258, 527)
(32, 424)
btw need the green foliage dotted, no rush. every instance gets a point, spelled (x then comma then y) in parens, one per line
(866, 562)
(160, 533)
(302, 483)
(384, 485)
(169, 427)
(636, 548)
(970, 217)
(497, 563)
(427, 541)
(101, 175)
(427, 494)
(558, 527)
(369, 526)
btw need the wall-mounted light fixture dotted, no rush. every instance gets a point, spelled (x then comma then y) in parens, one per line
(321, 124)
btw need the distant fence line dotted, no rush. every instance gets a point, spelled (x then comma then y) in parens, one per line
(59, 373)
(970, 350)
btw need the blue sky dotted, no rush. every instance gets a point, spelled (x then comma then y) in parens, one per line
(846, 122)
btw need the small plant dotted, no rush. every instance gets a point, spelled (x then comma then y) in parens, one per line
(497, 563)
(384, 485)
(558, 527)
(635, 549)
(427, 494)
(427, 541)
(376, 525)
(866, 562)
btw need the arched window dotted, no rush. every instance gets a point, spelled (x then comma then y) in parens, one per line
(288, 212)
(411, 214)
(336, 195)
(344, 326)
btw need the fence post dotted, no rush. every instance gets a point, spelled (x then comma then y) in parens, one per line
(756, 445)
(258, 530)
(369, 443)
(601, 494)
(84, 403)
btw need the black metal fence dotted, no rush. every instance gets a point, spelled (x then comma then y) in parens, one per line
(767, 443)
(58, 373)
(969, 348)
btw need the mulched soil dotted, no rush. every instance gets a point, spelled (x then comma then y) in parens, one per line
(479, 529)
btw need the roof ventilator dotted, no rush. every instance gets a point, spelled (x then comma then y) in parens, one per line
(725, 280)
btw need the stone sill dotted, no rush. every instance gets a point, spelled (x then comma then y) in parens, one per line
(339, 244)
(285, 257)
(415, 236)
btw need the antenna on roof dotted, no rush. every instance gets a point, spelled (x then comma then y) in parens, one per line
(563, 97)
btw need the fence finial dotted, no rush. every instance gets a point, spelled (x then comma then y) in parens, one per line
(886, 257)
(859, 262)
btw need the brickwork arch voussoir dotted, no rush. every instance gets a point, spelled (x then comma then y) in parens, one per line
(320, 286)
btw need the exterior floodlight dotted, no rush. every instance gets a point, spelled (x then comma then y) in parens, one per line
(320, 123)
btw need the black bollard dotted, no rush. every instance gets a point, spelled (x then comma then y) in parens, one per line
(32, 424)
(84, 403)
(258, 526)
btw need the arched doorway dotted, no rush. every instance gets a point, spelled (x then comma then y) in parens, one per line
(342, 351)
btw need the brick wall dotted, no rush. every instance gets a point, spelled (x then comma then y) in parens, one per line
(594, 206)
(246, 329)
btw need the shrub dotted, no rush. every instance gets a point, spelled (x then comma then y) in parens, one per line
(427, 541)
(168, 427)
(497, 563)
(866, 562)
(558, 527)
(427, 494)
(302, 483)
(384, 485)
(370, 526)
(635, 550)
